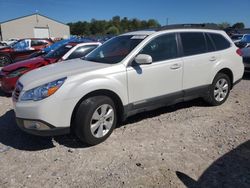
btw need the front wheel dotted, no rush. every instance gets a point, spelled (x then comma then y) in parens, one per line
(219, 90)
(4, 60)
(95, 119)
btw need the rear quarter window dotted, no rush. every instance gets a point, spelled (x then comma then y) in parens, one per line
(220, 41)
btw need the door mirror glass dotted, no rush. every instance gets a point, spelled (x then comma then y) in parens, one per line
(143, 59)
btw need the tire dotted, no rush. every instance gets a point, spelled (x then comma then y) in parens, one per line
(99, 111)
(219, 90)
(5, 60)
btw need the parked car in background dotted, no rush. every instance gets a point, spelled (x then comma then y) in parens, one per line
(22, 49)
(246, 58)
(241, 40)
(8, 42)
(57, 45)
(11, 73)
(132, 73)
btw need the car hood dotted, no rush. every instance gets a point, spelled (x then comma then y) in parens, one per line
(59, 70)
(26, 63)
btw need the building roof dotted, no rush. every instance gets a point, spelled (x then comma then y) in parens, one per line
(33, 15)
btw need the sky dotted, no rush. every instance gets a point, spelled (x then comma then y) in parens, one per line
(173, 12)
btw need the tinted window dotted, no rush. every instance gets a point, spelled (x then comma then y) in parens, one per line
(193, 43)
(161, 48)
(59, 52)
(220, 42)
(38, 43)
(82, 51)
(210, 45)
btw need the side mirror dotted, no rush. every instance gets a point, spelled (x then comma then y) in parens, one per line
(143, 59)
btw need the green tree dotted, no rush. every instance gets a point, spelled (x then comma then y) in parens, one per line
(113, 30)
(239, 25)
(224, 25)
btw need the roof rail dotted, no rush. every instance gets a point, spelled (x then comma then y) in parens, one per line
(188, 26)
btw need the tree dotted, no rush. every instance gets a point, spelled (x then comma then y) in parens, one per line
(239, 25)
(113, 30)
(114, 26)
(223, 25)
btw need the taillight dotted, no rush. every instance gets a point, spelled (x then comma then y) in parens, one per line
(239, 52)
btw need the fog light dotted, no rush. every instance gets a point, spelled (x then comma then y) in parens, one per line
(35, 125)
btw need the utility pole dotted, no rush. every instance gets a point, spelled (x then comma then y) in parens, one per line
(167, 21)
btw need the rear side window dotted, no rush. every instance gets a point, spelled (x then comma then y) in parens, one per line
(220, 42)
(210, 45)
(193, 43)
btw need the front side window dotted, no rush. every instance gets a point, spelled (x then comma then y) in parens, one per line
(193, 43)
(82, 51)
(162, 48)
(115, 50)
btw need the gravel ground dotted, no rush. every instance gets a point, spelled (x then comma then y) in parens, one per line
(186, 144)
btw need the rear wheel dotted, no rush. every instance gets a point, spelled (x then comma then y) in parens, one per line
(219, 90)
(95, 119)
(4, 60)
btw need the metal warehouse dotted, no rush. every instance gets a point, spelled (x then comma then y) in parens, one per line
(34, 26)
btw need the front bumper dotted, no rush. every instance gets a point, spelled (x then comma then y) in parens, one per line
(40, 128)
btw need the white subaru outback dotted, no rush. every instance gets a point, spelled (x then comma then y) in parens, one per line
(129, 74)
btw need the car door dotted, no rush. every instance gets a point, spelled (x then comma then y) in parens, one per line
(199, 58)
(153, 83)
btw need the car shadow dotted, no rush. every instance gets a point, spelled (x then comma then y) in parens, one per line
(12, 136)
(163, 110)
(230, 170)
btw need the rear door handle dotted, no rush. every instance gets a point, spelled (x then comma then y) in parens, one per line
(212, 58)
(175, 66)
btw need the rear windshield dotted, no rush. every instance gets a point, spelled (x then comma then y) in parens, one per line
(59, 52)
(115, 50)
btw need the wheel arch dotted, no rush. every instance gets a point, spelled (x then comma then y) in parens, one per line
(229, 73)
(117, 100)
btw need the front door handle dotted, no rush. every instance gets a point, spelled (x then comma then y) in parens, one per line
(175, 66)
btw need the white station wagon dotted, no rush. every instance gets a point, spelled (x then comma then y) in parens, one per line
(129, 74)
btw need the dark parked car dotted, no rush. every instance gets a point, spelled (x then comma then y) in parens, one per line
(21, 50)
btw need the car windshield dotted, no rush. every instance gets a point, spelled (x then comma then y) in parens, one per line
(237, 37)
(21, 45)
(115, 50)
(59, 52)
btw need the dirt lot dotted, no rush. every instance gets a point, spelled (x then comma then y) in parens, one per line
(186, 144)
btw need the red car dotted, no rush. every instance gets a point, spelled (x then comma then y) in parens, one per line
(11, 73)
(21, 49)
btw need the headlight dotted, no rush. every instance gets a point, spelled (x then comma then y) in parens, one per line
(17, 73)
(43, 91)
